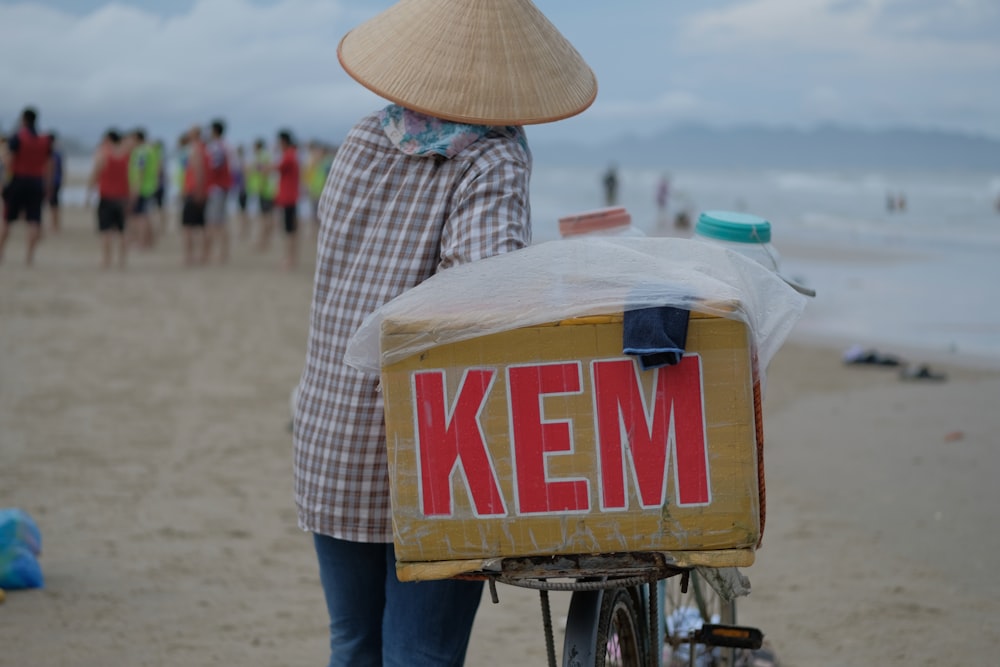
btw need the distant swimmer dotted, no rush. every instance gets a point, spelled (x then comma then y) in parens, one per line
(611, 186)
(682, 221)
(895, 202)
(662, 199)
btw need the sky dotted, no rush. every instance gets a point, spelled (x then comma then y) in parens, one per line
(268, 64)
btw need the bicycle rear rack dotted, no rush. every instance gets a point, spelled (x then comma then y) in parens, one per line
(595, 572)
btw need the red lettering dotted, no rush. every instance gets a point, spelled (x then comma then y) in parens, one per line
(534, 438)
(447, 443)
(676, 423)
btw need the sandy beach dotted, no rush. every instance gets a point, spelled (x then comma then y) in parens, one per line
(144, 423)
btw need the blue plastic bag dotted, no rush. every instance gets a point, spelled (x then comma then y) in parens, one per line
(19, 568)
(20, 546)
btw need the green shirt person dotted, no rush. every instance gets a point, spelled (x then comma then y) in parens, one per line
(144, 167)
(261, 181)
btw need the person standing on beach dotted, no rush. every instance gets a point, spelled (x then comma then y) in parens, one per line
(195, 193)
(287, 199)
(180, 166)
(110, 176)
(266, 191)
(241, 188)
(3, 177)
(218, 181)
(254, 179)
(159, 196)
(143, 172)
(54, 184)
(317, 168)
(27, 161)
(436, 179)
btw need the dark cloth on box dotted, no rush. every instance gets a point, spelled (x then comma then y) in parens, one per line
(656, 336)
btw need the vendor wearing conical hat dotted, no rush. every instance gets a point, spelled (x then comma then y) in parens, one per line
(439, 177)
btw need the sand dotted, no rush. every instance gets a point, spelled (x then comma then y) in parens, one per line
(144, 423)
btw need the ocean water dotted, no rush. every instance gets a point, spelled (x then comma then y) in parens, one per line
(920, 279)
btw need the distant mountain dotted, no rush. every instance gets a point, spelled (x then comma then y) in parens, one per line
(75, 147)
(69, 145)
(827, 146)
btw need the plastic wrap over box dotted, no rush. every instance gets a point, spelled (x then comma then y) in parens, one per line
(541, 438)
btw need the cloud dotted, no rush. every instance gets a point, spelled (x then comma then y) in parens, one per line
(870, 61)
(825, 103)
(264, 65)
(891, 35)
(669, 107)
(260, 66)
(875, 63)
(953, 20)
(783, 24)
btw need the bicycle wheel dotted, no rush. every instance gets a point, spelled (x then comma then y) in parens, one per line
(621, 631)
(606, 628)
(685, 613)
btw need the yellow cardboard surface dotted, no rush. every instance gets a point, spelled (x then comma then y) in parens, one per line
(515, 525)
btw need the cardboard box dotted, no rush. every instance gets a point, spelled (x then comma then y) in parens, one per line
(548, 440)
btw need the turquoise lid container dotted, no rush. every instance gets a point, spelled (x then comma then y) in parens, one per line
(733, 227)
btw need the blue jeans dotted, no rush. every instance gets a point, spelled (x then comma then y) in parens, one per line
(377, 620)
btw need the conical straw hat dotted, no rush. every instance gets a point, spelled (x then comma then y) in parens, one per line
(486, 62)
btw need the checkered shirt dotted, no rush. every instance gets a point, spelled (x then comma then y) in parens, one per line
(388, 222)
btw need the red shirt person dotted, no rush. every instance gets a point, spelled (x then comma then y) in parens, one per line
(195, 193)
(288, 193)
(28, 162)
(112, 172)
(111, 178)
(196, 177)
(288, 172)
